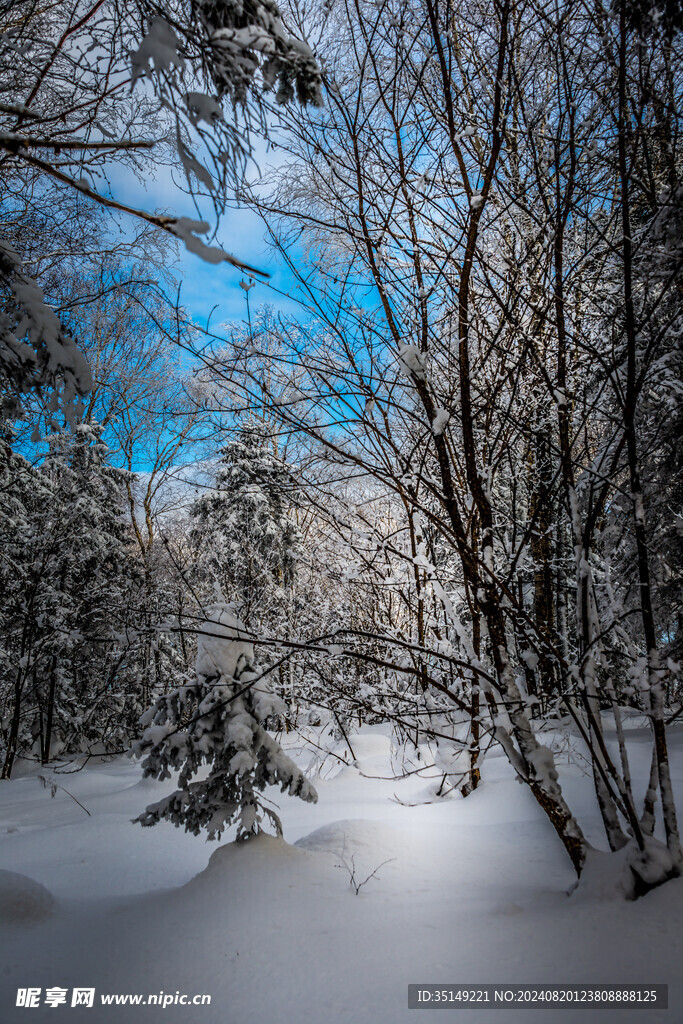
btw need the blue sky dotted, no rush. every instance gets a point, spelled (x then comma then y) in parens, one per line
(206, 287)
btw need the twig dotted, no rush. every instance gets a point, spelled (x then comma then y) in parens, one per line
(54, 786)
(351, 868)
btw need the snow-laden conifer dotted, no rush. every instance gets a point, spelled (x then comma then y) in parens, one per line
(218, 720)
(244, 535)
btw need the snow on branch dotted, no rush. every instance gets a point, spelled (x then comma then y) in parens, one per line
(37, 355)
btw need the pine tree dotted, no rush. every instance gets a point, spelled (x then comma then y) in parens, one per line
(99, 580)
(218, 719)
(245, 540)
(24, 497)
(68, 676)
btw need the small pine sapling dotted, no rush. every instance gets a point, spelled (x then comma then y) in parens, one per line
(218, 720)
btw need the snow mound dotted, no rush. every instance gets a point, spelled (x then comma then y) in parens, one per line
(624, 874)
(23, 900)
(251, 855)
(354, 837)
(371, 753)
(260, 868)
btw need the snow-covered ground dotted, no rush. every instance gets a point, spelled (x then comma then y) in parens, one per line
(474, 891)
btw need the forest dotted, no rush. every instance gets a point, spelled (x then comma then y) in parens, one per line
(422, 496)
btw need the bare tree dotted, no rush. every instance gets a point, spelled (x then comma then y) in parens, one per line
(68, 118)
(462, 205)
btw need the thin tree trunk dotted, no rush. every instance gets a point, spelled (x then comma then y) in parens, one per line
(47, 737)
(638, 504)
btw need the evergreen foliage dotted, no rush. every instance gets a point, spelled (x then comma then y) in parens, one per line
(218, 720)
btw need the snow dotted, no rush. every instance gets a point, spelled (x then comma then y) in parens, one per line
(159, 48)
(474, 890)
(214, 656)
(440, 421)
(610, 876)
(205, 108)
(36, 347)
(412, 361)
(187, 229)
(23, 901)
(227, 733)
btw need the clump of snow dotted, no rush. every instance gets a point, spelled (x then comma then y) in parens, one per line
(412, 361)
(214, 656)
(531, 659)
(545, 770)
(440, 421)
(159, 48)
(205, 108)
(23, 900)
(187, 230)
